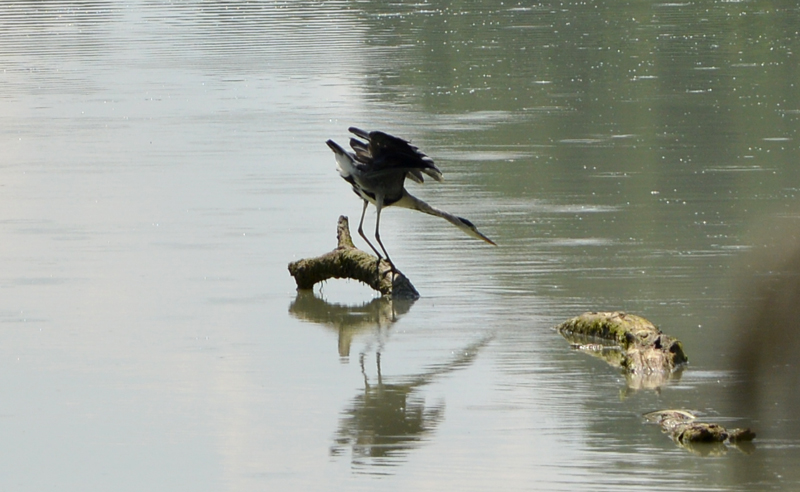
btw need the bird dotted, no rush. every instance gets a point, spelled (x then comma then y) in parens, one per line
(377, 168)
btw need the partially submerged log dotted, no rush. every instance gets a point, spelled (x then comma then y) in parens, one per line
(347, 261)
(682, 427)
(637, 346)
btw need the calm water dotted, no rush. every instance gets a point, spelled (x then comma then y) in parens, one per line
(163, 162)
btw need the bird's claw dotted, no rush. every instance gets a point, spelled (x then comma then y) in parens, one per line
(392, 269)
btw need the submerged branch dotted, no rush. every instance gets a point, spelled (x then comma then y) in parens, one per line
(681, 426)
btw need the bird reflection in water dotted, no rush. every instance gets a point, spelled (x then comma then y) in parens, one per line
(388, 419)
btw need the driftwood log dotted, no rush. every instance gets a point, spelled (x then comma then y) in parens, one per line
(637, 346)
(347, 261)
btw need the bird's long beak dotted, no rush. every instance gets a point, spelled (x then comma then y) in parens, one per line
(473, 231)
(481, 236)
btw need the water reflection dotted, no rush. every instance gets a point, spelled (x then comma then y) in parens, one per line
(613, 355)
(711, 449)
(391, 416)
(348, 321)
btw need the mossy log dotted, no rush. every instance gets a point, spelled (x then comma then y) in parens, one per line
(682, 427)
(347, 261)
(638, 346)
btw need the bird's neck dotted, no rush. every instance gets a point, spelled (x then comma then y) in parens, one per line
(410, 201)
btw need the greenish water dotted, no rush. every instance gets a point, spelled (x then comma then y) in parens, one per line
(163, 163)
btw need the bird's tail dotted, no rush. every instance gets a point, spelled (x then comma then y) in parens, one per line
(345, 163)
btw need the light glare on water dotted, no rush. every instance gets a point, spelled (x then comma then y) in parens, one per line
(164, 162)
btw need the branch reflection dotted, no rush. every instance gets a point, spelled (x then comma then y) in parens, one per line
(612, 354)
(348, 321)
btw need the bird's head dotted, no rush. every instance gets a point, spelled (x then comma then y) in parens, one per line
(469, 228)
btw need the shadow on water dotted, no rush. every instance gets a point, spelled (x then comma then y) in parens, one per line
(768, 352)
(391, 417)
(766, 348)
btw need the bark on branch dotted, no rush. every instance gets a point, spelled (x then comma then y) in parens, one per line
(347, 261)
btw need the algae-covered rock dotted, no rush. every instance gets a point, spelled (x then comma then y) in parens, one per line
(643, 348)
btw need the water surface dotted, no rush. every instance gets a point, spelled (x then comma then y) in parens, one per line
(163, 162)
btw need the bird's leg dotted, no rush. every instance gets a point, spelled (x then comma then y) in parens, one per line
(361, 231)
(379, 206)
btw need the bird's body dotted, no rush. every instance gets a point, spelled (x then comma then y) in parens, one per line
(377, 170)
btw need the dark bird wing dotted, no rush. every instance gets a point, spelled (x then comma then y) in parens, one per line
(385, 151)
(361, 149)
